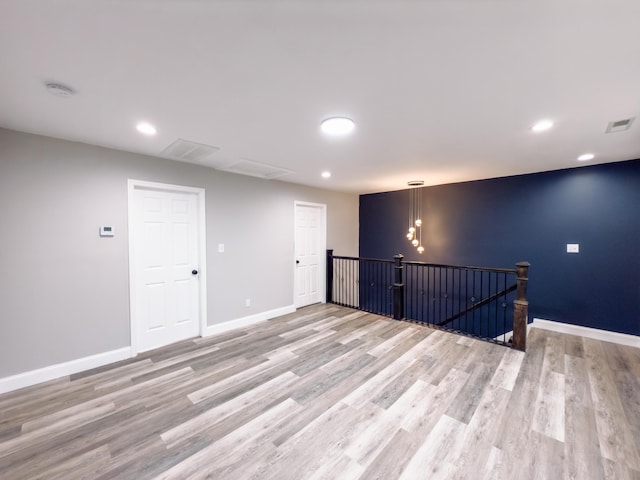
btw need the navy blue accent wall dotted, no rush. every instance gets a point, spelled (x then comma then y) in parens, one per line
(498, 222)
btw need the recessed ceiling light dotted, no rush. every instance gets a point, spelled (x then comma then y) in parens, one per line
(542, 125)
(146, 128)
(337, 126)
(585, 157)
(326, 174)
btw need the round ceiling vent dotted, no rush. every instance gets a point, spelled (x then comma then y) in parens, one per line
(59, 90)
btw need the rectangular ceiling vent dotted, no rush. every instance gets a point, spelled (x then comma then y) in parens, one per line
(187, 151)
(619, 125)
(256, 169)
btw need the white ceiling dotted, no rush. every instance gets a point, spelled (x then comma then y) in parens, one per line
(440, 90)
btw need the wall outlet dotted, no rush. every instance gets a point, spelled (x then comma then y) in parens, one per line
(573, 248)
(247, 302)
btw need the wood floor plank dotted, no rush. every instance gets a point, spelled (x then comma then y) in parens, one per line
(431, 459)
(549, 406)
(386, 422)
(209, 418)
(52, 428)
(84, 465)
(48, 451)
(553, 453)
(223, 451)
(469, 455)
(582, 446)
(508, 369)
(516, 435)
(493, 468)
(463, 407)
(335, 394)
(321, 442)
(573, 346)
(617, 442)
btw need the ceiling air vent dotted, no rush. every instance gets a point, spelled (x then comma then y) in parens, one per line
(619, 125)
(192, 152)
(255, 169)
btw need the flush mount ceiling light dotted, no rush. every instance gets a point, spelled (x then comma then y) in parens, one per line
(146, 128)
(337, 126)
(59, 90)
(326, 174)
(542, 125)
(586, 157)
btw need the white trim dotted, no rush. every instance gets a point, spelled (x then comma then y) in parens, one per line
(27, 379)
(323, 249)
(595, 333)
(245, 321)
(510, 333)
(202, 249)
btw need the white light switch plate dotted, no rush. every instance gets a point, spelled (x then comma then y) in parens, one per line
(221, 248)
(573, 248)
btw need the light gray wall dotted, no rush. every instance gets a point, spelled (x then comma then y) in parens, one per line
(64, 291)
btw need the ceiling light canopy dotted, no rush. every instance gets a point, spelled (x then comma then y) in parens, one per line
(585, 157)
(146, 128)
(542, 125)
(337, 126)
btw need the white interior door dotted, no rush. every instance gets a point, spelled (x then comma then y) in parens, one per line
(310, 253)
(166, 267)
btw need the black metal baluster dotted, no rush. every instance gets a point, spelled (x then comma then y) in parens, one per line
(504, 308)
(352, 267)
(496, 307)
(445, 294)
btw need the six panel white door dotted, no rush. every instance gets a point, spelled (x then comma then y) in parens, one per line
(309, 254)
(166, 253)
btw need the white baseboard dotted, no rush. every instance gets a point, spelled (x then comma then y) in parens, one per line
(245, 321)
(596, 334)
(508, 334)
(33, 377)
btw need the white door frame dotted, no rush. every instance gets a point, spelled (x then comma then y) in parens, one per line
(322, 246)
(134, 185)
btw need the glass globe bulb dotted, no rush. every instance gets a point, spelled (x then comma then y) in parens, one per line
(412, 230)
(420, 249)
(415, 243)
(418, 223)
(410, 236)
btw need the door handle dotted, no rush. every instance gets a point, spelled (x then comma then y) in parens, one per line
(194, 272)
(297, 262)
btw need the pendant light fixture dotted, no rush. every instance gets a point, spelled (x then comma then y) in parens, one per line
(414, 234)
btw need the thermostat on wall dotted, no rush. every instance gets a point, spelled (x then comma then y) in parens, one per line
(106, 231)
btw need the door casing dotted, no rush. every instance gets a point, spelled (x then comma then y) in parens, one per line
(134, 185)
(322, 246)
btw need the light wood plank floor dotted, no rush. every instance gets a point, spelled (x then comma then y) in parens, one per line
(332, 393)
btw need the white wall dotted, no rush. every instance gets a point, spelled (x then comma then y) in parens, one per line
(64, 291)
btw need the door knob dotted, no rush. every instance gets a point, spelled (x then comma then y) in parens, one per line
(194, 272)
(297, 262)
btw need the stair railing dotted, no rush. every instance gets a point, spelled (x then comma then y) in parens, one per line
(476, 301)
